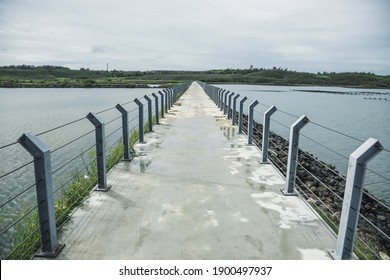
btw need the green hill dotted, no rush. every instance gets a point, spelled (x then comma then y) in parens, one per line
(58, 76)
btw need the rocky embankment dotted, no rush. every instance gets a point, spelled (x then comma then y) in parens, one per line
(323, 187)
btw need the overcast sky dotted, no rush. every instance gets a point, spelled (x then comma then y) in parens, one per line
(303, 35)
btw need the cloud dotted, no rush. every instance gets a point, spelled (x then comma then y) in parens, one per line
(98, 49)
(308, 35)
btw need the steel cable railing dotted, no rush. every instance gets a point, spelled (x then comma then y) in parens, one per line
(72, 159)
(79, 196)
(19, 194)
(365, 219)
(72, 141)
(278, 151)
(60, 126)
(113, 120)
(133, 119)
(9, 145)
(22, 233)
(319, 200)
(18, 220)
(347, 158)
(79, 176)
(34, 244)
(16, 169)
(341, 176)
(134, 128)
(78, 172)
(335, 172)
(86, 191)
(338, 132)
(26, 243)
(106, 110)
(113, 132)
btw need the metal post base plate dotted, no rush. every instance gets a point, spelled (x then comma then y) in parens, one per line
(97, 189)
(266, 162)
(289, 194)
(51, 255)
(334, 256)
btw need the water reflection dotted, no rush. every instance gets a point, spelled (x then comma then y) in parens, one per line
(229, 132)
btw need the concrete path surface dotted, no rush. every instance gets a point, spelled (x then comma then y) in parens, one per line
(196, 191)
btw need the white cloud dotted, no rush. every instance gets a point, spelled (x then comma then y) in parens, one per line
(309, 35)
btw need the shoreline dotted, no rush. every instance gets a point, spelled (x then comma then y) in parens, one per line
(160, 84)
(96, 86)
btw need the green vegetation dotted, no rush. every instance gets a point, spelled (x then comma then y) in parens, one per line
(27, 238)
(26, 241)
(57, 76)
(62, 77)
(114, 155)
(361, 250)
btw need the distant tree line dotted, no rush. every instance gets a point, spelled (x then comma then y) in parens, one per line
(59, 76)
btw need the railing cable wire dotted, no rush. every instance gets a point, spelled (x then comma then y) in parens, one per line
(72, 141)
(17, 221)
(16, 169)
(341, 155)
(8, 145)
(60, 126)
(19, 194)
(338, 132)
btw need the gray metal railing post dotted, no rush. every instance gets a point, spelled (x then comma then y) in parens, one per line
(250, 121)
(221, 100)
(100, 151)
(125, 131)
(229, 104)
(166, 100)
(234, 117)
(353, 197)
(293, 155)
(169, 98)
(172, 98)
(44, 189)
(162, 103)
(225, 102)
(140, 120)
(218, 97)
(266, 125)
(156, 107)
(150, 113)
(241, 115)
(214, 93)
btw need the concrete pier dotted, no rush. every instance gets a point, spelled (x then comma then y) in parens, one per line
(195, 191)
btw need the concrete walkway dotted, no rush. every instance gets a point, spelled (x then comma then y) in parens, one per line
(196, 191)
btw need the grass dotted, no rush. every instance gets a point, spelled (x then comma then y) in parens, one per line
(114, 155)
(26, 241)
(360, 249)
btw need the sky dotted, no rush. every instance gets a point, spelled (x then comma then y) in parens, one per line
(302, 35)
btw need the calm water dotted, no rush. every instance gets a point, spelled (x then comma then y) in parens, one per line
(38, 110)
